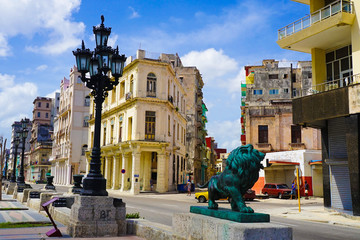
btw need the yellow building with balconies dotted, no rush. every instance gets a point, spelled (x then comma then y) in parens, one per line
(331, 34)
(144, 128)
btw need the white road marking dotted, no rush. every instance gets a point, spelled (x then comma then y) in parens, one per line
(286, 224)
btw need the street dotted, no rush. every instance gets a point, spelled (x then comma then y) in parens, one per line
(161, 211)
(161, 207)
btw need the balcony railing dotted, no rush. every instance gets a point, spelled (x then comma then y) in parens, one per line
(317, 16)
(334, 84)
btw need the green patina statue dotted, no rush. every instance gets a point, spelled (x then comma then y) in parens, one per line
(241, 173)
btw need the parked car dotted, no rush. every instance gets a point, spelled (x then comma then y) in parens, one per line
(204, 196)
(280, 190)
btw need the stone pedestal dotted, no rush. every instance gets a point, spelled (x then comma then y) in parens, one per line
(194, 226)
(97, 216)
(10, 188)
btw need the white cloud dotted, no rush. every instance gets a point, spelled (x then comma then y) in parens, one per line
(15, 100)
(226, 132)
(42, 67)
(211, 63)
(48, 19)
(134, 14)
(112, 40)
(52, 94)
(4, 47)
(234, 84)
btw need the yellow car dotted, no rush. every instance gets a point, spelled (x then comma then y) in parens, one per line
(202, 197)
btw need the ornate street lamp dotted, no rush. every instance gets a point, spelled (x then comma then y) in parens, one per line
(16, 142)
(105, 66)
(23, 134)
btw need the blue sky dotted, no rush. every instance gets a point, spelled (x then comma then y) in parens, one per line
(218, 37)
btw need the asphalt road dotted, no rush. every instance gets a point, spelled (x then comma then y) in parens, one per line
(156, 208)
(161, 211)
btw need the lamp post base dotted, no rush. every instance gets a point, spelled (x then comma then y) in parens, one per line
(94, 186)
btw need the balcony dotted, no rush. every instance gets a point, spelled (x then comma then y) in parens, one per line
(331, 99)
(264, 147)
(325, 28)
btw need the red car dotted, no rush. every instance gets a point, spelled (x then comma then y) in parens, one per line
(280, 190)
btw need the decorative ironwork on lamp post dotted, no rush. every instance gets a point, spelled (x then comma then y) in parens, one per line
(105, 66)
(16, 142)
(22, 134)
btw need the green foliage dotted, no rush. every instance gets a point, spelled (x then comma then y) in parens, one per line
(24, 224)
(133, 215)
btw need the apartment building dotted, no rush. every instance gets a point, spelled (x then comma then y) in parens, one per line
(40, 140)
(191, 80)
(331, 34)
(70, 136)
(143, 131)
(270, 89)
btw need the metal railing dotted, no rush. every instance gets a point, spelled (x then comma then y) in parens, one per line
(334, 84)
(317, 16)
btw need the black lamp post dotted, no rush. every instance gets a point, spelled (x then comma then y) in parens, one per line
(105, 66)
(6, 166)
(16, 142)
(23, 134)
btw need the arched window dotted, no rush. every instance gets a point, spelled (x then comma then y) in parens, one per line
(151, 85)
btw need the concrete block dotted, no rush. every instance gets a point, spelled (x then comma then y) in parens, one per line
(195, 226)
(100, 214)
(25, 195)
(149, 230)
(10, 188)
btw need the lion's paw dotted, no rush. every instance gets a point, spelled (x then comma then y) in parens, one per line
(212, 205)
(246, 210)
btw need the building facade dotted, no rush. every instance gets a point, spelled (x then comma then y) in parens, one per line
(40, 140)
(332, 37)
(193, 84)
(143, 131)
(70, 136)
(268, 123)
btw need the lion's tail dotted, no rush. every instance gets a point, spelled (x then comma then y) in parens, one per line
(203, 186)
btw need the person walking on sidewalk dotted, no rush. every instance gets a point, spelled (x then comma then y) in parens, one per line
(293, 190)
(188, 187)
(307, 187)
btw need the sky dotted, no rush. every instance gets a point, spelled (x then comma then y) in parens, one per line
(218, 37)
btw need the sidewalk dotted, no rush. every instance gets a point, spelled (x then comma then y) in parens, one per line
(22, 213)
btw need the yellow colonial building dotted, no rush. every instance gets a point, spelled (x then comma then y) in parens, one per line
(143, 129)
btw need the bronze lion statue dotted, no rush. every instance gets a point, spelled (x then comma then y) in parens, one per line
(241, 173)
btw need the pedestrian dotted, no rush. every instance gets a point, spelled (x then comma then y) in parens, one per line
(307, 187)
(188, 187)
(293, 190)
(151, 184)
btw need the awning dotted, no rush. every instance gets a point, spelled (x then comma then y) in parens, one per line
(282, 163)
(315, 162)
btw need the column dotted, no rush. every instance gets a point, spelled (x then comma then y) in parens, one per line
(162, 173)
(108, 171)
(147, 172)
(68, 174)
(135, 176)
(116, 172)
(124, 180)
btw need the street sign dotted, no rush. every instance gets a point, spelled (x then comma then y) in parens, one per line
(122, 171)
(299, 172)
